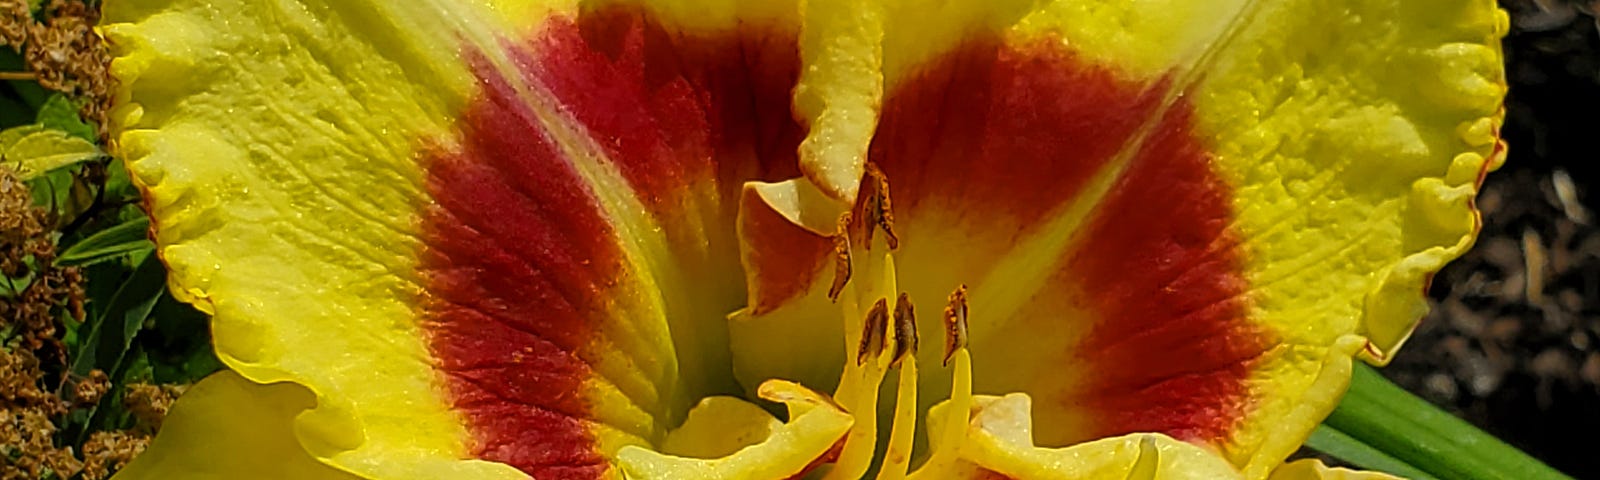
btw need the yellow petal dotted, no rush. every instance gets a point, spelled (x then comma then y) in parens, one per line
(276, 142)
(719, 426)
(1356, 135)
(1000, 443)
(245, 429)
(840, 89)
(789, 450)
(1314, 470)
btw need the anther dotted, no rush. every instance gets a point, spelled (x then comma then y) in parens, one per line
(841, 262)
(873, 331)
(955, 323)
(880, 211)
(905, 328)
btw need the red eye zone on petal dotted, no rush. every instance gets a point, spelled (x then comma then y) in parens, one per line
(521, 259)
(1174, 348)
(986, 145)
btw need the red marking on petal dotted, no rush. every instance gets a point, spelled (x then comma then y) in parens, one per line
(516, 253)
(677, 113)
(1000, 136)
(786, 259)
(988, 142)
(1172, 347)
(520, 258)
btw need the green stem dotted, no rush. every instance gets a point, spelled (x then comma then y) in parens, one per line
(1377, 414)
(1337, 444)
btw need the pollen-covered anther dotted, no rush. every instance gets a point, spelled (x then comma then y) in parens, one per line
(955, 323)
(841, 260)
(873, 331)
(905, 328)
(879, 209)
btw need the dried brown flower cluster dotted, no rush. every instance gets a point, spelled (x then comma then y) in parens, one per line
(29, 404)
(27, 432)
(14, 21)
(149, 404)
(64, 52)
(107, 452)
(27, 252)
(26, 441)
(87, 392)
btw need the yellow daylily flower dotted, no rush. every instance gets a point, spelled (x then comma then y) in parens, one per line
(569, 239)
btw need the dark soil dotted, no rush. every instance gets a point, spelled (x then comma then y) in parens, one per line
(1513, 342)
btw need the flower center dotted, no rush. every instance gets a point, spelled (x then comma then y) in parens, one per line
(880, 337)
(866, 288)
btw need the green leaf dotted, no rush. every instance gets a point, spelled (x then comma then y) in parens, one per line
(69, 330)
(101, 281)
(126, 237)
(135, 368)
(61, 113)
(1378, 417)
(107, 340)
(119, 186)
(179, 343)
(11, 287)
(111, 334)
(200, 363)
(33, 150)
(63, 194)
(52, 190)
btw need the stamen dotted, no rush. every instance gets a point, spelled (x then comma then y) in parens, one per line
(952, 435)
(905, 328)
(859, 383)
(897, 457)
(873, 331)
(955, 323)
(841, 252)
(880, 210)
